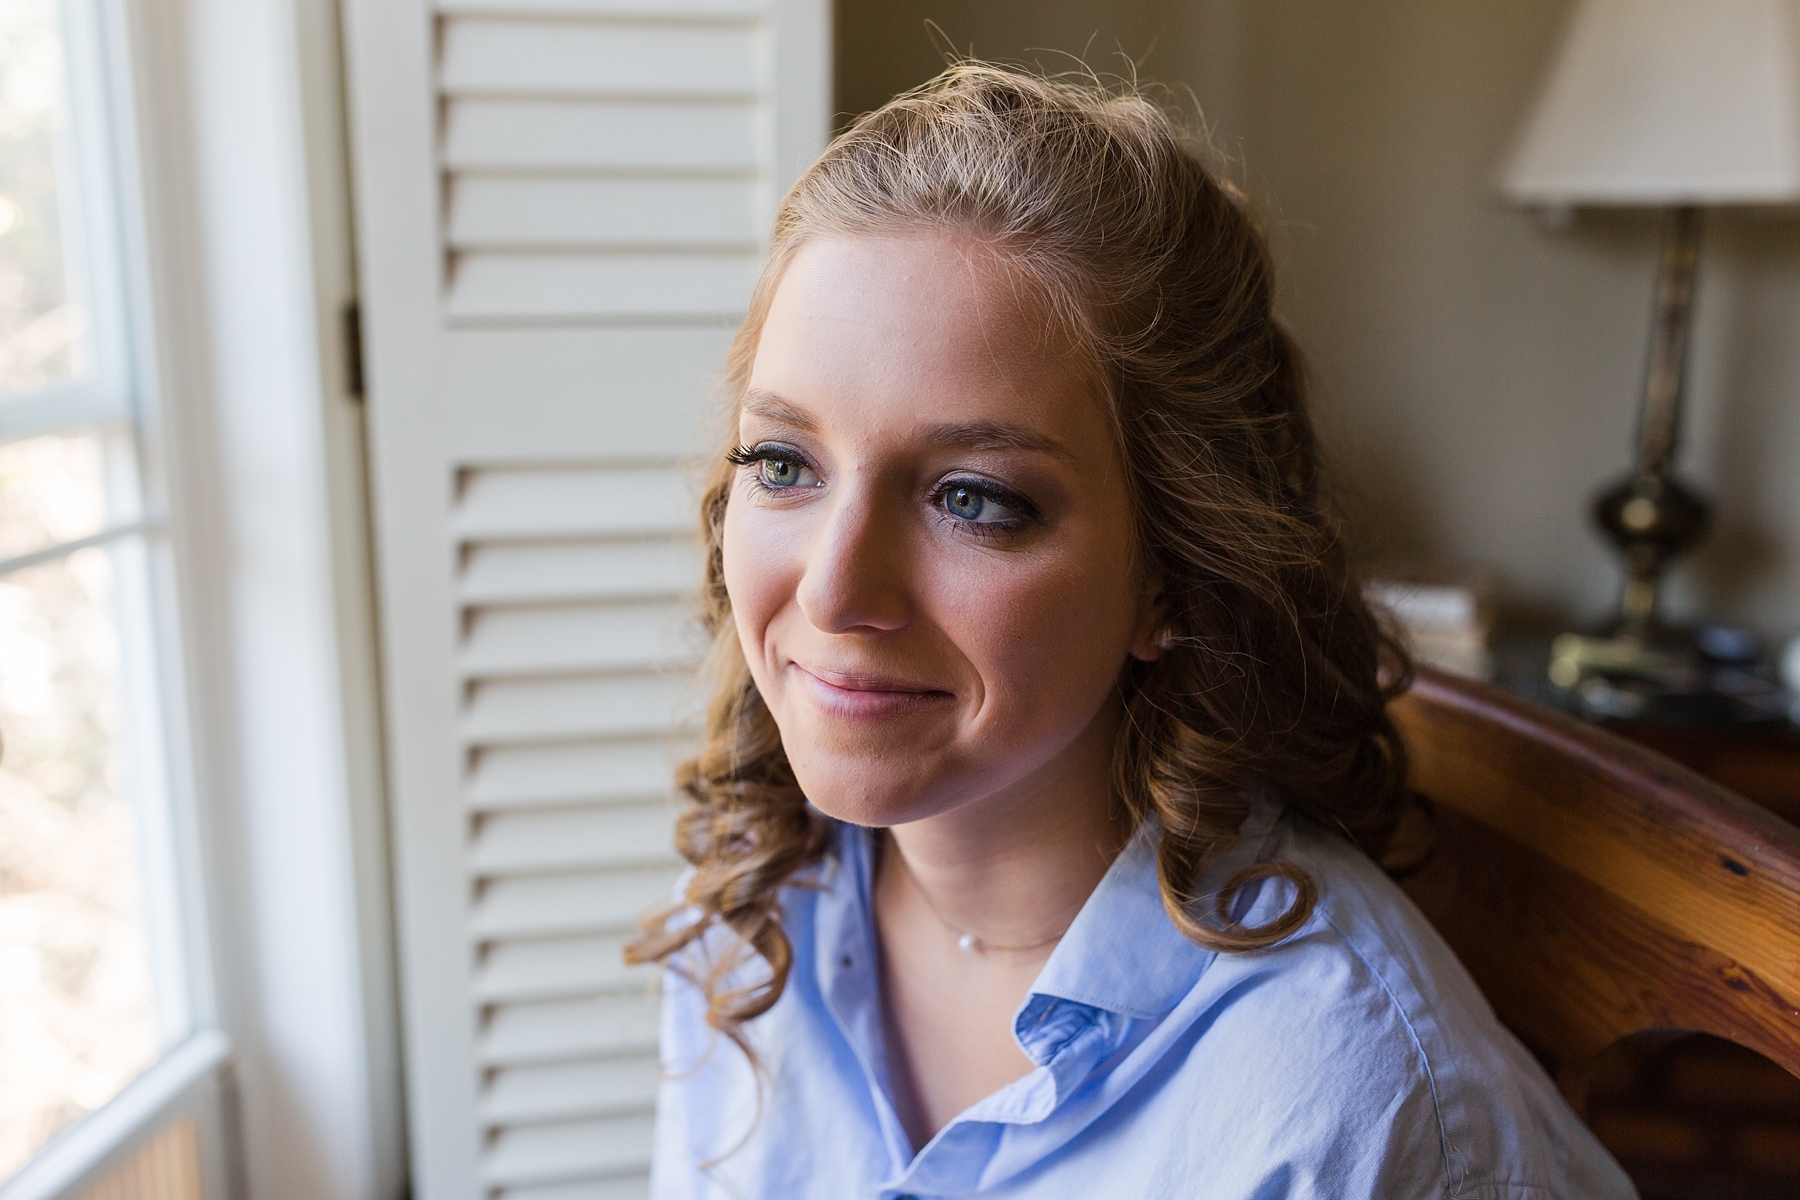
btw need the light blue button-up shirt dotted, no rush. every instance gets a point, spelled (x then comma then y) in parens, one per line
(1354, 1059)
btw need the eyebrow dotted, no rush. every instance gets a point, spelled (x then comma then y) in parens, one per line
(953, 435)
(764, 403)
(997, 435)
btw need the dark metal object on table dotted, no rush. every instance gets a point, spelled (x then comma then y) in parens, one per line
(1650, 516)
(1721, 677)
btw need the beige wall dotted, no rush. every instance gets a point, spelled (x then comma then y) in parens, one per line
(1476, 372)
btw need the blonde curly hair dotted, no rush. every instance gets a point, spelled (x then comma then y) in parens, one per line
(1274, 665)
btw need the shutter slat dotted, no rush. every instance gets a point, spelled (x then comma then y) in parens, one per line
(573, 502)
(488, 212)
(599, 135)
(564, 1091)
(564, 397)
(626, 1187)
(520, 776)
(556, 968)
(583, 286)
(571, 638)
(549, 710)
(622, 836)
(561, 1030)
(568, 1151)
(587, 58)
(498, 574)
(533, 906)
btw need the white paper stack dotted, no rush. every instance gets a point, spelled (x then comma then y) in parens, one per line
(1445, 624)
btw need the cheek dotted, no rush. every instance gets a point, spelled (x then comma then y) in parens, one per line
(1048, 636)
(760, 576)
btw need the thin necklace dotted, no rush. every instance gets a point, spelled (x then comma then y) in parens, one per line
(966, 941)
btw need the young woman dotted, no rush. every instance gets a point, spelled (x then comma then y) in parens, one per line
(1031, 839)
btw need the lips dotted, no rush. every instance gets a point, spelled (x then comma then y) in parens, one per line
(862, 695)
(852, 681)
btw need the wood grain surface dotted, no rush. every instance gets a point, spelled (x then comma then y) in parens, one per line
(1597, 890)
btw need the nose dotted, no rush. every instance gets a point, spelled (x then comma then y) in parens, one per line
(855, 578)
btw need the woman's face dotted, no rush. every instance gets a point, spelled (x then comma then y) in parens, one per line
(928, 543)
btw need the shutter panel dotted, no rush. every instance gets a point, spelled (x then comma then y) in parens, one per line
(560, 206)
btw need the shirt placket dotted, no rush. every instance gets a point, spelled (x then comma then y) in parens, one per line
(959, 1160)
(850, 987)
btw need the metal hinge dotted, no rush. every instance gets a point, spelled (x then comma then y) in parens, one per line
(350, 318)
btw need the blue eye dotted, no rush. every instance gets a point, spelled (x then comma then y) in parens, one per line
(983, 504)
(964, 503)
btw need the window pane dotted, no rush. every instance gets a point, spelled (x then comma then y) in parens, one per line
(93, 978)
(77, 1013)
(42, 319)
(52, 489)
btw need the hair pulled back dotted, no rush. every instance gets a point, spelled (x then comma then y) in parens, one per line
(1272, 662)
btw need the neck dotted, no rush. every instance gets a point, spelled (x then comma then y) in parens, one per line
(1014, 867)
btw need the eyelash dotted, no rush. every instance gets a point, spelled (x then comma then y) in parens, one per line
(745, 456)
(748, 456)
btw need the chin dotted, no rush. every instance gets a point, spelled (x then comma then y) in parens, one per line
(872, 773)
(865, 791)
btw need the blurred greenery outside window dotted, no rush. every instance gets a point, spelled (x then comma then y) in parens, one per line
(91, 955)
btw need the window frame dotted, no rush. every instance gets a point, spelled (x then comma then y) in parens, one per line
(229, 163)
(184, 1079)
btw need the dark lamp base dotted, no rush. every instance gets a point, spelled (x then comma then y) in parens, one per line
(1651, 519)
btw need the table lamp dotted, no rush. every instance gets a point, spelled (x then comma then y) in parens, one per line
(1676, 104)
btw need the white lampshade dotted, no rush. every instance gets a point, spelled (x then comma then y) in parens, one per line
(1667, 102)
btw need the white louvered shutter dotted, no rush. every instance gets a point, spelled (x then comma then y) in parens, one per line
(560, 209)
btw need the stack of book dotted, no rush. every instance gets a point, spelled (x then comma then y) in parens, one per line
(1444, 619)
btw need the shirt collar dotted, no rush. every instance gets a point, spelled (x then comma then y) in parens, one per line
(1123, 953)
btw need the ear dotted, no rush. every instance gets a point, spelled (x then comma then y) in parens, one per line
(1150, 638)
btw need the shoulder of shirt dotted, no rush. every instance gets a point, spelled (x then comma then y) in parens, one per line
(1362, 916)
(1366, 1002)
